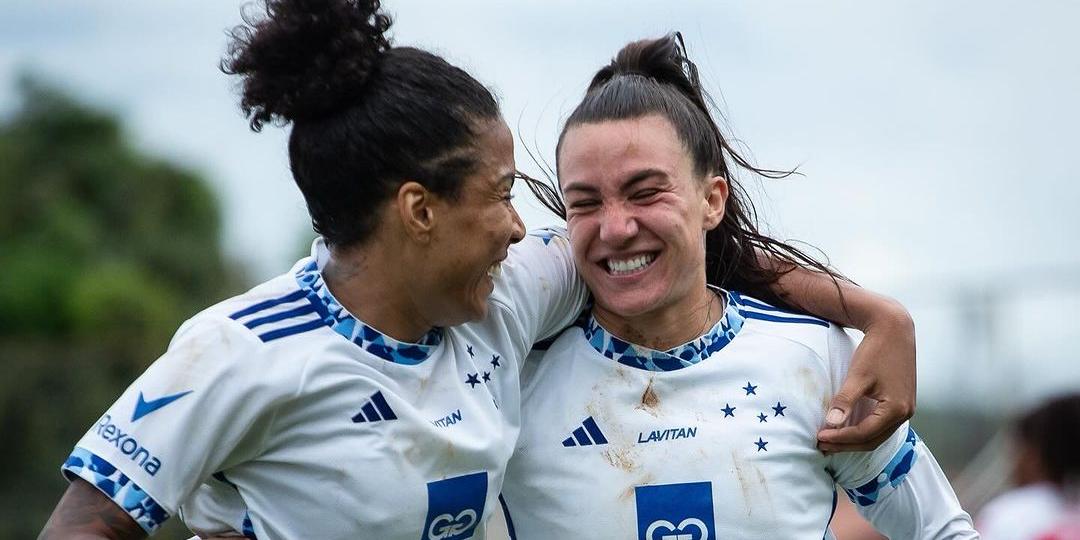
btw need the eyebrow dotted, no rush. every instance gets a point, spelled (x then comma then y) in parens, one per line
(635, 179)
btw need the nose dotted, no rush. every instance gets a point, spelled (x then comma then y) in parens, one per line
(517, 232)
(618, 225)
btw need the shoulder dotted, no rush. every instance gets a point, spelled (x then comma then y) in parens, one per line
(544, 254)
(762, 318)
(274, 310)
(268, 329)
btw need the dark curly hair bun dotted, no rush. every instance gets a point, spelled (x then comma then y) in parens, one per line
(303, 59)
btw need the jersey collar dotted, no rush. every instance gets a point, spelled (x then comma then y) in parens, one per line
(309, 278)
(680, 357)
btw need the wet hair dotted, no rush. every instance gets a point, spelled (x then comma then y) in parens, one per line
(365, 116)
(656, 77)
(1053, 431)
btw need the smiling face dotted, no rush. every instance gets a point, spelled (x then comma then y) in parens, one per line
(473, 233)
(637, 215)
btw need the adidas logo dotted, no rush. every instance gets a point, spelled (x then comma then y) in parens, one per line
(587, 434)
(374, 410)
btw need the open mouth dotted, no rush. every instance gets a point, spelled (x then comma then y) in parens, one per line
(494, 270)
(631, 265)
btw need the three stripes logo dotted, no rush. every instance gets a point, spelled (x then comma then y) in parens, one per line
(587, 434)
(374, 410)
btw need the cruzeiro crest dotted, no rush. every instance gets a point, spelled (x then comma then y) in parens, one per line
(455, 507)
(675, 512)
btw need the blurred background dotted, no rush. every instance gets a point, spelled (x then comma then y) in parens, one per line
(932, 137)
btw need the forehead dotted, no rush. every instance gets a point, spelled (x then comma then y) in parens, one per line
(495, 146)
(610, 150)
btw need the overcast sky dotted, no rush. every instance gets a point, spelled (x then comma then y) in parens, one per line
(935, 138)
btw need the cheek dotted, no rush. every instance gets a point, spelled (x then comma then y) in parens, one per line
(578, 231)
(499, 222)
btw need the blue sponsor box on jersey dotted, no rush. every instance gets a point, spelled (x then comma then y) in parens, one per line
(675, 512)
(455, 507)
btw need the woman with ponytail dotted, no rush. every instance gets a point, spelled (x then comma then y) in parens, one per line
(373, 390)
(685, 404)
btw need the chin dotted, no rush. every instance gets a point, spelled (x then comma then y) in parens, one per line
(627, 307)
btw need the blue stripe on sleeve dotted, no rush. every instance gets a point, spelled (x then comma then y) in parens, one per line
(291, 330)
(759, 305)
(291, 297)
(774, 318)
(295, 312)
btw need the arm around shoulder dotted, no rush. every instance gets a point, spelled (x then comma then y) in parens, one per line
(882, 367)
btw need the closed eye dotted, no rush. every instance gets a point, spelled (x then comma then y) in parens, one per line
(643, 194)
(583, 204)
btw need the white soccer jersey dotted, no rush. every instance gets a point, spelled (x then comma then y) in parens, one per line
(279, 414)
(711, 440)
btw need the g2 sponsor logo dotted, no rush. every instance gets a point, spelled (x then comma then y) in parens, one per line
(669, 531)
(447, 526)
(675, 511)
(455, 507)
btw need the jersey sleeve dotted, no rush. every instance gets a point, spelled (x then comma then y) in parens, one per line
(198, 409)
(538, 286)
(898, 487)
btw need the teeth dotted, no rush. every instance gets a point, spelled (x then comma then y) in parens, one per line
(494, 270)
(624, 267)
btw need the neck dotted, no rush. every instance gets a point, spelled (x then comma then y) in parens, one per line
(668, 327)
(369, 284)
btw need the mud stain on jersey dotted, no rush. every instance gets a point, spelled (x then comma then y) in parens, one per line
(814, 387)
(621, 457)
(744, 481)
(764, 484)
(810, 383)
(649, 400)
(191, 368)
(629, 492)
(410, 454)
(754, 487)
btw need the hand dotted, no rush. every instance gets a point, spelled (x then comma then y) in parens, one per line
(883, 370)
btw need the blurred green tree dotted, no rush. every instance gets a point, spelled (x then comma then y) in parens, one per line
(104, 251)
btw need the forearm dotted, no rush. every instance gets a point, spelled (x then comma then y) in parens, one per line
(842, 302)
(84, 513)
(883, 366)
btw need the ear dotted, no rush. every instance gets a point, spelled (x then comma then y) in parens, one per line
(414, 205)
(716, 194)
